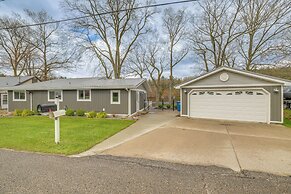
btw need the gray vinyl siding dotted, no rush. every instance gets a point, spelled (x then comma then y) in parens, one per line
(142, 99)
(12, 105)
(133, 102)
(99, 99)
(276, 101)
(234, 79)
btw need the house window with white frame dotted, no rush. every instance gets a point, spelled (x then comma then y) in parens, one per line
(19, 96)
(83, 95)
(53, 93)
(115, 96)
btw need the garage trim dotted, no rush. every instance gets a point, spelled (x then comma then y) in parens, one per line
(223, 86)
(232, 89)
(250, 74)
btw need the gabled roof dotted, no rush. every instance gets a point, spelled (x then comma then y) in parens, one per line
(82, 83)
(13, 81)
(242, 72)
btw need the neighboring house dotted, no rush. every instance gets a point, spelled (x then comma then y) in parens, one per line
(230, 94)
(116, 96)
(6, 82)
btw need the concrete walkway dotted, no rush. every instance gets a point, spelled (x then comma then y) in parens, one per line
(145, 124)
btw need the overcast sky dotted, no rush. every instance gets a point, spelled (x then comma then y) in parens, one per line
(188, 67)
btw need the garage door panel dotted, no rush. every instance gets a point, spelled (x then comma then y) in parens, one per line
(245, 106)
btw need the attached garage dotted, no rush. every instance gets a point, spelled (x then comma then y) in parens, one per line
(230, 94)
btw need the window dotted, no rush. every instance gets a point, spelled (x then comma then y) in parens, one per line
(53, 93)
(201, 93)
(115, 96)
(249, 93)
(238, 93)
(229, 94)
(218, 94)
(210, 93)
(260, 93)
(194, 94)
(19, 96)
(84, 95)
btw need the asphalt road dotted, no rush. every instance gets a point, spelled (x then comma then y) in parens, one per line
(35, 173)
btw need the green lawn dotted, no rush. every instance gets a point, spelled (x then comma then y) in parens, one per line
(287, 118)
(36, 133)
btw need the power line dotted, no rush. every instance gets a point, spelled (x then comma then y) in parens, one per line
(100, 14)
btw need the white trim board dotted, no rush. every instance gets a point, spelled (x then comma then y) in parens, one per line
(53, 100)
(84, 100)
(19, 100)
(250, 74)
(231, 86)
(111, 95)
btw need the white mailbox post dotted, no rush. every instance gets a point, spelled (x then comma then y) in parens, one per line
(57, 115)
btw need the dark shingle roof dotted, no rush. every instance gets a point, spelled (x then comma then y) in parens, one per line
(82, 83)
(13, 81)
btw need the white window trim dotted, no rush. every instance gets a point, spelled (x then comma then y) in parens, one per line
(84, 100)
(48, 95)
(19, 100)
(111, 96)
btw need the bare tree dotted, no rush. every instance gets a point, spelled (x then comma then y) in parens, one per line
(266, 22)
(13, 47)
(111, 36)
(52, 53)
(215, 30)
(175, 25)
(32, 67)
(155, 65)
(137, 66)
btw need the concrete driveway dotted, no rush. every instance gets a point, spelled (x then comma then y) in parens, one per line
(236, 145)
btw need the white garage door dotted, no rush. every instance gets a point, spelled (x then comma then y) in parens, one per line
(241, 105)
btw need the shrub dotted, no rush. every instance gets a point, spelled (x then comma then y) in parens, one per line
(17, 112)
(91, 114)
(161, 106)
(27, 112)
(168, 106)
(287, 114)
(70, 112)
(101, 115)
(35, 112)
(80, 113)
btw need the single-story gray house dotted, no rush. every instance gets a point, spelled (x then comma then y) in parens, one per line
(12, 81)
(116, 96)
(231, 94)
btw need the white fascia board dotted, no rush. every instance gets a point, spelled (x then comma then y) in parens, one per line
(250, 74)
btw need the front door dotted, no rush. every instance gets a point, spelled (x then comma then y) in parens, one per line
(4, 101)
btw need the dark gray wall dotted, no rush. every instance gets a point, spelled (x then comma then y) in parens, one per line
(133, 102)
(99, 99)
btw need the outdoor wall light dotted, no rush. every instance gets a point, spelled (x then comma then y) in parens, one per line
(185, 91)
(276, 90)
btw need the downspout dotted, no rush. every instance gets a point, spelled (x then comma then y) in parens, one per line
(31, 101)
